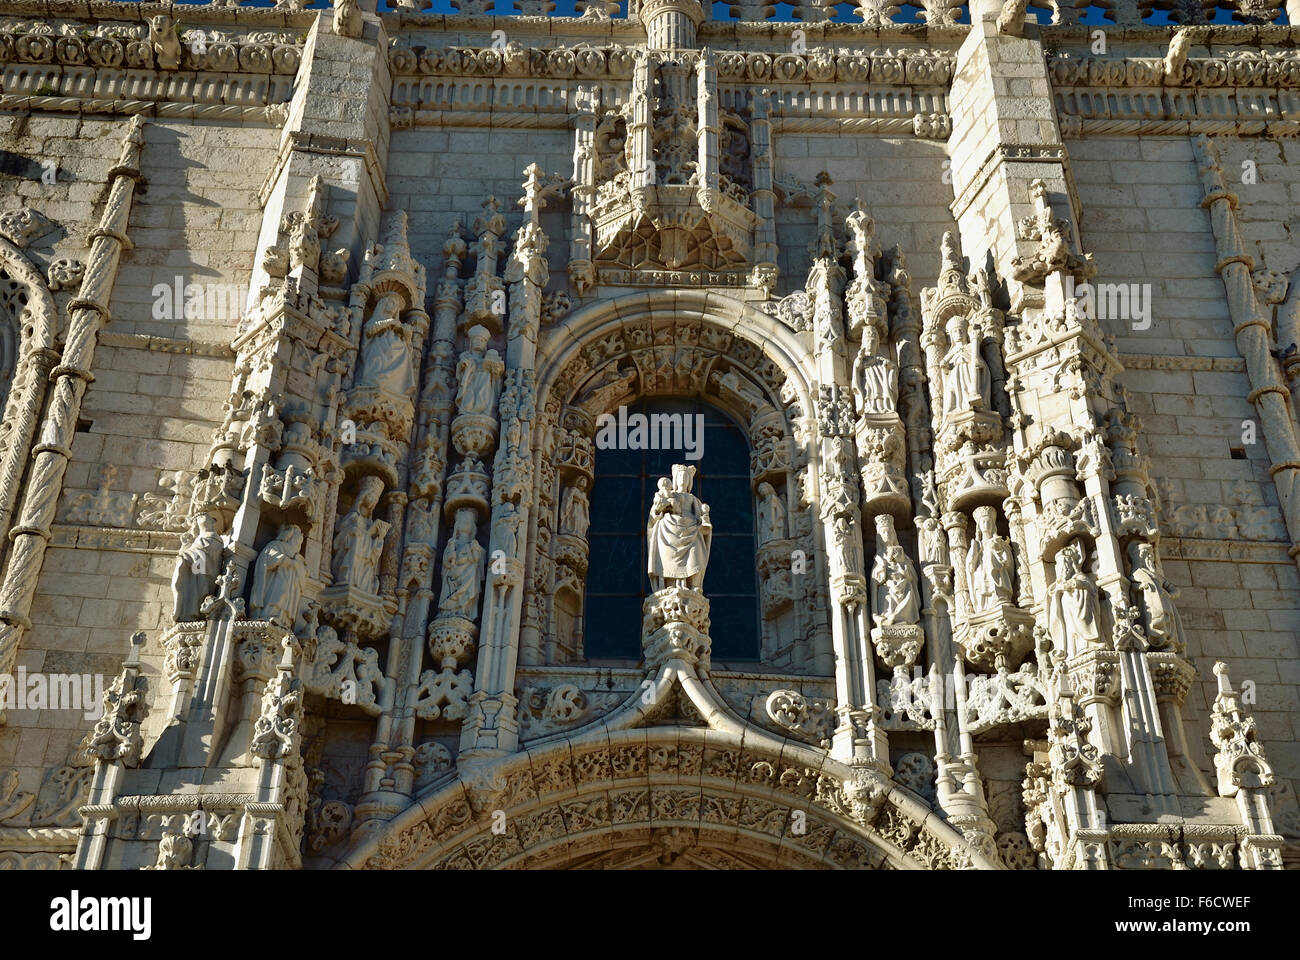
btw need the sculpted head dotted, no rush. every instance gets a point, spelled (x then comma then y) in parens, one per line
(368, 494)
(478, 337)
(1069, 561)
(291, 536)
(465, 523)
(1143, 555)
(765, 490)
(985, 521)
(956, 329)
(683, 478)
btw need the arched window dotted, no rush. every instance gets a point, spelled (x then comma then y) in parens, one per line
(624, 488)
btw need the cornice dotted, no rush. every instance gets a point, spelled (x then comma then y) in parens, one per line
(112, 10)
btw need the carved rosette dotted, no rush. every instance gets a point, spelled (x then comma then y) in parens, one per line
(809, 718)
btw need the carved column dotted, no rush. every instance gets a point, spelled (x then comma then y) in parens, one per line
(424, 514)
(859, 735)
(763, 198)
(1253, 326)
(88, 313)
(586, 105)
(491, 726)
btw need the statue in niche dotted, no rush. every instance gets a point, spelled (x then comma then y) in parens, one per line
(848, 541)
(1162, 622)
(463, 563)
(575, 509)
(197, 567)
(989, 564)
(967, 383)
(278, 578)
(861, 226)
(385, 359)
(479, 375)
(505, 535)
(895, 600)
(679, 533)
(359, 540)
(875, 378)
(1074, 598)
(771, 515)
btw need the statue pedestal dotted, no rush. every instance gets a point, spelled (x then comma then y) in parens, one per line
(897, 645)
(1000, 636)
(451, 640)
(366, 404)
(348, 608)
(474, 435)
(675, 626)
(881, 452)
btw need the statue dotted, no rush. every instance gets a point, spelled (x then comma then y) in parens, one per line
(875, 378)
(278, 578)
(359, 540)
(575, 509)
(197, 567)
(894, 598)
(385, 359)
(679, 534)
(1074, 599)
(743, 388)
(479, 376)
(505, 534)
(967, 383)
(860, 226)
(165, 42)
(1162, 622)
(771, 515)
(848, 542)
(462, 567)
(347, 18)
(988, 564)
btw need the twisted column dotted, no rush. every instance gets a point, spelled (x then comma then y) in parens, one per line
(1252, 326)
(88, 313)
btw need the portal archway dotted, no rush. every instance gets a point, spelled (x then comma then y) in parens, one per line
(672, 771)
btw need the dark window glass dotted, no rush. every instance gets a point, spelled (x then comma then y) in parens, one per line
(624, 487)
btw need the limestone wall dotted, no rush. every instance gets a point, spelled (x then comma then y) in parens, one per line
(1225, 541)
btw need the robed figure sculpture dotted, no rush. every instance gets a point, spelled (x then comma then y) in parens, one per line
(679, 533)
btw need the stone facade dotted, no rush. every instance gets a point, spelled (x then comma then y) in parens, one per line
(311, 316)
